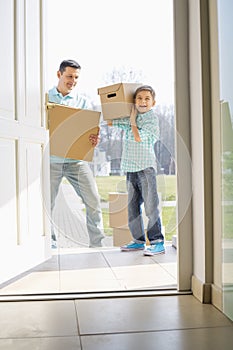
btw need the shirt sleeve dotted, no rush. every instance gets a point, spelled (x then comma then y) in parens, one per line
(122, 123)
(148, 127)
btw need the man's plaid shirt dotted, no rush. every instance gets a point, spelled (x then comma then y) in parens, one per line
(137, 156)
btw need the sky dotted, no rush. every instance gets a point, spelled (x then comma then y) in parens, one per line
(104, 35)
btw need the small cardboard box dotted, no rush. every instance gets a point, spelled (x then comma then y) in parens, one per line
(123, 236)
(69, 131)
(116, 100)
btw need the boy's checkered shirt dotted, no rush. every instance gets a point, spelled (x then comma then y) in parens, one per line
(137, 156)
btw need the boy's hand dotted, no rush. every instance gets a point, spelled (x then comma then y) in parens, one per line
(109, 122)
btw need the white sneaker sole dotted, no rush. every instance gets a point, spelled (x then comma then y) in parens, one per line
(148, 253)
(130, 249)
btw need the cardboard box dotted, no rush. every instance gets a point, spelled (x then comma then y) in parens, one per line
(116, 100)
(118, 210)
(69, 131)
(123, 236)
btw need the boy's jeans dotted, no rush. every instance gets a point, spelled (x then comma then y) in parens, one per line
(81, 178)
(142, 188)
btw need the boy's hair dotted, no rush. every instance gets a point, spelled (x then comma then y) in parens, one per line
(144, 88)
(68, 63)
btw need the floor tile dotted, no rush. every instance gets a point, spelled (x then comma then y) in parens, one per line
(34, 283)
(146, 314)
(171, 269)
(101, 279)
(116, 258)
(144, 276)
(71, 260)
(201, 339)
(59, 343)
(38, 319)
(85, 260)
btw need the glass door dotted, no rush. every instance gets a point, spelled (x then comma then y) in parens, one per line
(112, 45)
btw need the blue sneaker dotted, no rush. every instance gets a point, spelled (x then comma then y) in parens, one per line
(155, 249)
(132, 246)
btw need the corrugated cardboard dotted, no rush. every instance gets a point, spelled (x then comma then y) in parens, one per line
(116, 100)
(123, 236)
(118, 209)
(69, 130)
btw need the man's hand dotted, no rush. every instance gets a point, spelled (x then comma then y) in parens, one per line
(94, 139)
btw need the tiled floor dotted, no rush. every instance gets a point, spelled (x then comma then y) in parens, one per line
(150, 323)
(76, 268)
(97, 270)
(107, 322)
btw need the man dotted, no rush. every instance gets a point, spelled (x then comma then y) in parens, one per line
(77, 172)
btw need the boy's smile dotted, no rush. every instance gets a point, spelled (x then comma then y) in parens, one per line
(144, 101)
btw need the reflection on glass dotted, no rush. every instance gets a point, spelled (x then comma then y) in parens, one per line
(227, 203)
(225, 8)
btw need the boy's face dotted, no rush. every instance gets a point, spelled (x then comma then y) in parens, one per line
(144, 101)
(67, 80)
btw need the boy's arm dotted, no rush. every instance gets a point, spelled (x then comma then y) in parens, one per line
(149, 128)
(122, 123)
(133, 123)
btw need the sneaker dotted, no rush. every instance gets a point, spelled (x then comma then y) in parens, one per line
(132, 246)
(155, 249)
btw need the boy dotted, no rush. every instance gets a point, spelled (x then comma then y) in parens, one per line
(141, 131)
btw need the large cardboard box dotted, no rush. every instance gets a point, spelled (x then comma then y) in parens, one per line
(116, 100)
(69, 131)
(123, 236)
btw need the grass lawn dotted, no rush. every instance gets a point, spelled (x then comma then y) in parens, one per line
(227, 221)
(166, 186)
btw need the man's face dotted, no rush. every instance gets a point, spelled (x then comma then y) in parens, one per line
(67, 80)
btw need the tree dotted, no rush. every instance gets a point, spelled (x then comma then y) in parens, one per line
(165, 147)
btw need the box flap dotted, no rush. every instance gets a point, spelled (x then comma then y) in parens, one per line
(108, 89)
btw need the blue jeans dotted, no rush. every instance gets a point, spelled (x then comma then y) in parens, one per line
(81, 178)
(142, 188)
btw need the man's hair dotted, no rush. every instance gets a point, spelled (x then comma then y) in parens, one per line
(144, 88)
(68, 63)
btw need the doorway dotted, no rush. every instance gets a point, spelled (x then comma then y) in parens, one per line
(108, 266)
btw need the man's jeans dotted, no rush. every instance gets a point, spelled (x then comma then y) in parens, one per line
(142, 188)
(81, 178)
